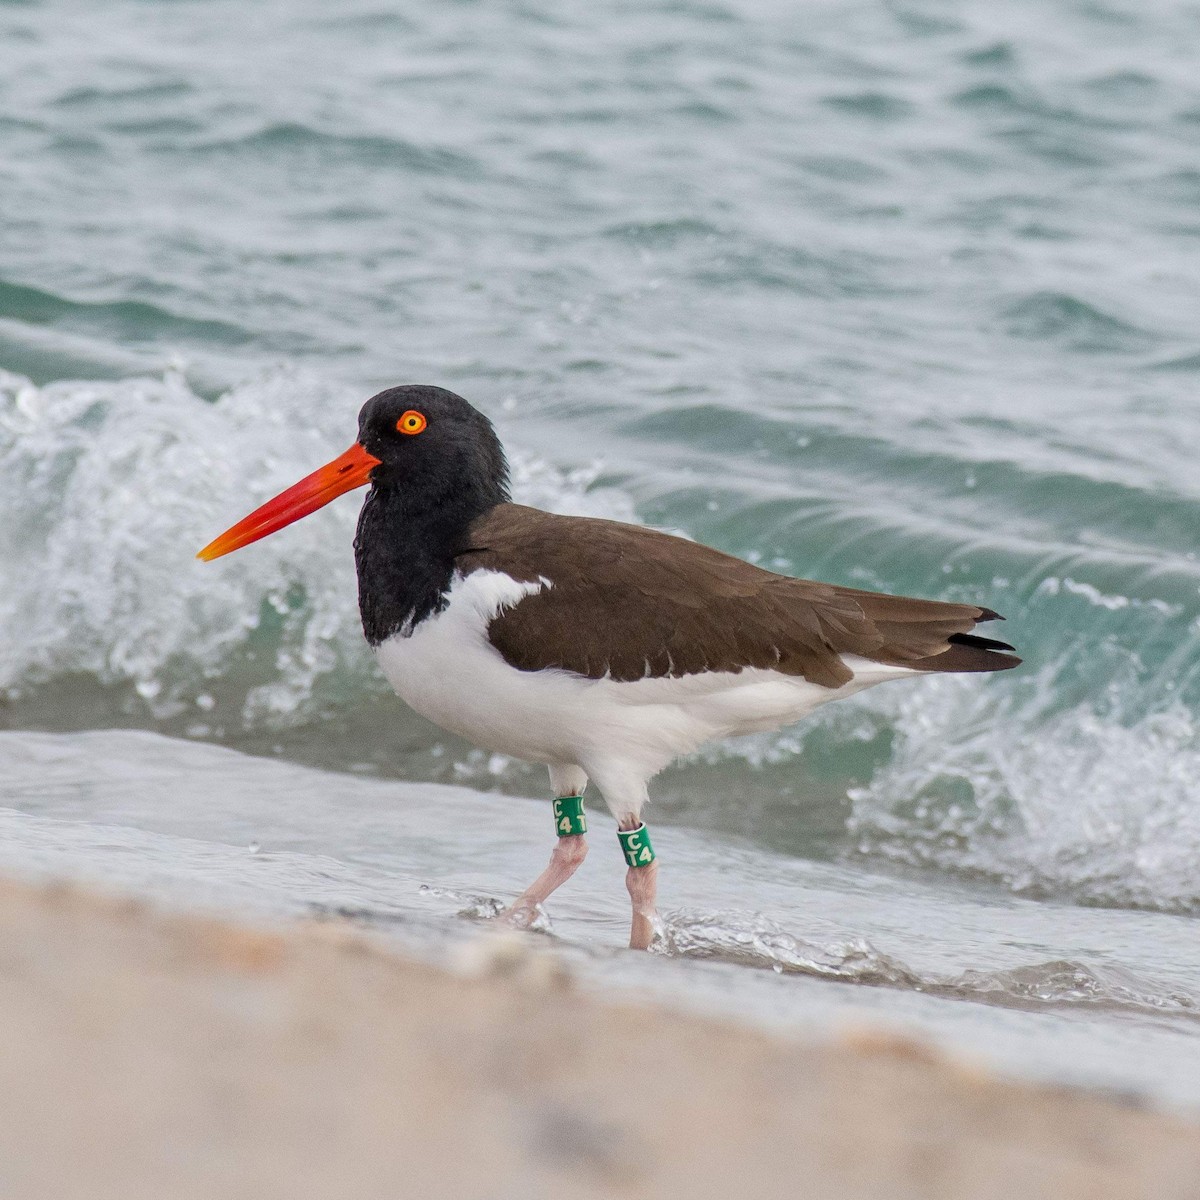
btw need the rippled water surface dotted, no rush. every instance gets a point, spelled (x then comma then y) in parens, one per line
(904, 296)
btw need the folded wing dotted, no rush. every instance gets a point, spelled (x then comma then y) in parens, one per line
(632, 603)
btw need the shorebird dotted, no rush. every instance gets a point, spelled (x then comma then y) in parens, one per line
(600, 649)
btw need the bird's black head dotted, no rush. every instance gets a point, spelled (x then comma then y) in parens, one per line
(433, 447)
(431, 459)
(439, 467)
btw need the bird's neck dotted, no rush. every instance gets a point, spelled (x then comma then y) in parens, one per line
(404, 552)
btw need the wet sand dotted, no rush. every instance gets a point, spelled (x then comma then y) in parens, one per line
(148, 1055)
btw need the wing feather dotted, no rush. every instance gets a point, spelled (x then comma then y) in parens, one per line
(628, 602)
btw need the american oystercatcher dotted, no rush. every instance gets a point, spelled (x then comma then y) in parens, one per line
(600, 649)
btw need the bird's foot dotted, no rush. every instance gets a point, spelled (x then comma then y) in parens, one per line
(526, 911)
(523, 914)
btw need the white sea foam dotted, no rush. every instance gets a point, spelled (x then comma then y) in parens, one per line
(1077, 803)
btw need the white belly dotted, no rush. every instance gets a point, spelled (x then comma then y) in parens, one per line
(448, 671)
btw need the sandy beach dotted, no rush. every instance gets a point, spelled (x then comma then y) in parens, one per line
(151, 1054)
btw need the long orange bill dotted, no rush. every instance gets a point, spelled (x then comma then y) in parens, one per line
(350, 470)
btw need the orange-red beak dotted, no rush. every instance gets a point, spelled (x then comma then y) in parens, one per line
(350, 470)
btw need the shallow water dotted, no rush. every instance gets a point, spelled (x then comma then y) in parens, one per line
(902, 296)
(1047, 990)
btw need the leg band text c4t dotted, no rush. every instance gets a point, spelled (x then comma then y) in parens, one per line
(569, 817)
(635, 845)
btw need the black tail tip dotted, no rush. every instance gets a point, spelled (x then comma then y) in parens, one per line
(980, 643)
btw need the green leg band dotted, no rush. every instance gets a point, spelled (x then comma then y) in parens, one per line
(635, 845)
(569, 817)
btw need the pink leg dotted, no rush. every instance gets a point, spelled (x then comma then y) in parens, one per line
(564, 862)
(642, 885)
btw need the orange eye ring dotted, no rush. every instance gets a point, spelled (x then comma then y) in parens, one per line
(412, 423)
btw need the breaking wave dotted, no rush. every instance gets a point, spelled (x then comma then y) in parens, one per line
(1075, 804)
(1077, 777)
(110, 488)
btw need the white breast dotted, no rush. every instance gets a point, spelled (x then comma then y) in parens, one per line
(448, 671)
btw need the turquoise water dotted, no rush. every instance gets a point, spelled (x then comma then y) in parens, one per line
(904, 296)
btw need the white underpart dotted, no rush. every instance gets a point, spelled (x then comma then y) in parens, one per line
(619, 733)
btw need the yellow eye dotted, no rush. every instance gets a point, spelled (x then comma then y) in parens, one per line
(412, 422)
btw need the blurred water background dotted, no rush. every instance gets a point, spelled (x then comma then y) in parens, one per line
(899, 295)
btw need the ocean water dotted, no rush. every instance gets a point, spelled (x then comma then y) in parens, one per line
(899, 295)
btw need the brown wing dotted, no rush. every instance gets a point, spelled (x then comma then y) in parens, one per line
(633, 603)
